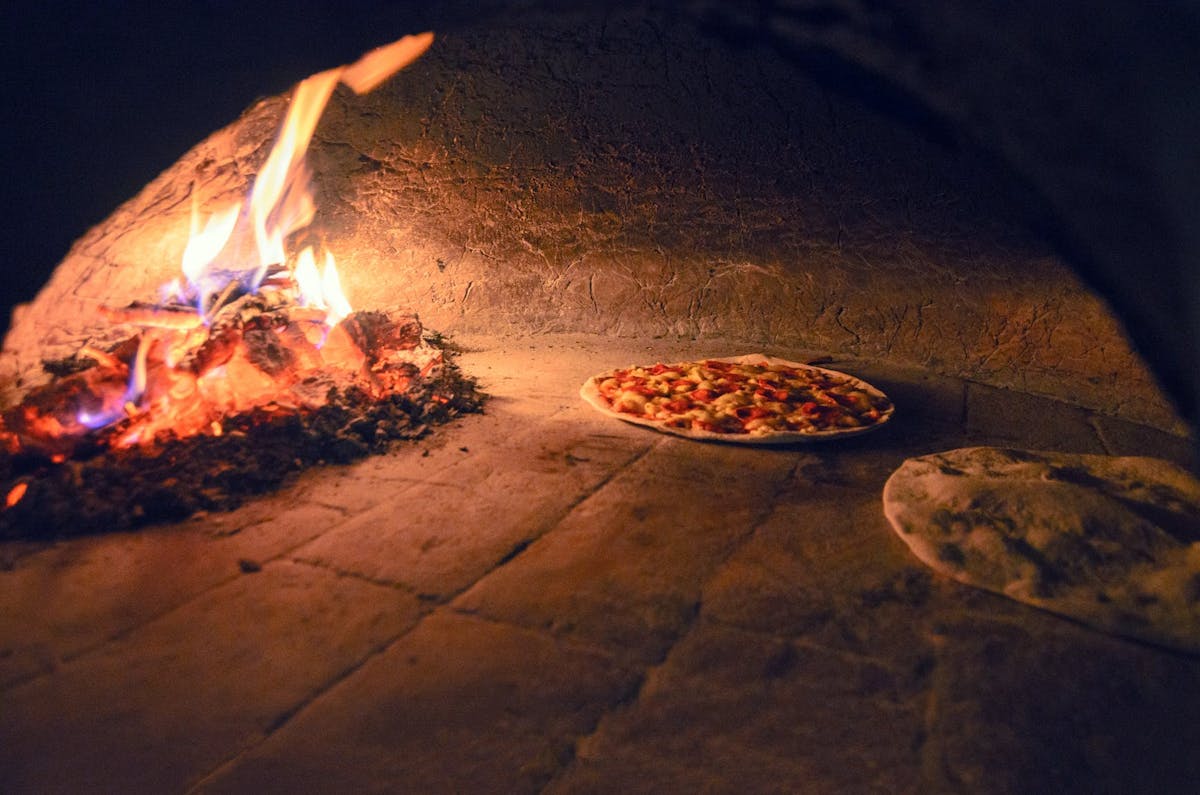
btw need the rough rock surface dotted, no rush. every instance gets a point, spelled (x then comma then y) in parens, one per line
(637, 180)
(1095, 110)
(540, 598)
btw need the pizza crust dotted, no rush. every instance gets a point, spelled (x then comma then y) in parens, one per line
(1111, 542)
(590, 392)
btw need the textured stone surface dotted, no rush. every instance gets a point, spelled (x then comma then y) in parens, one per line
(72, 597)
(1095, 111)
(172, 699)
(1044, 707)
(413, 540)
(624, 569)
(684, 616)
(1126, 438)
(690, 191)
(1025, 420)
(501, 705)
(811, 569)
(733, 711)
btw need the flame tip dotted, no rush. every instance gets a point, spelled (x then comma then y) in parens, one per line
(280, 202)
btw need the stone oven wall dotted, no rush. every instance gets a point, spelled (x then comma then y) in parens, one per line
(635, 178)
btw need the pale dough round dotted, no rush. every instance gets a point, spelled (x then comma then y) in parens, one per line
(1111, 542)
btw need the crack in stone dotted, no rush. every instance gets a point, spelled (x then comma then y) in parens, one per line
(837, 318)
(394, 585)
(550, 526)
(129, 630)
(799, 642)
(935, 777)
(286, 716)
(1098, 429)
(564, 641)
(631, 699)
(591, 289)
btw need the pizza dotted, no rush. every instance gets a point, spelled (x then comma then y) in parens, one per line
(1112, 542)
(751, 399)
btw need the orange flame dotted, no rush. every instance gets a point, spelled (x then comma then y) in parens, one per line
(331, 291)
(281, 202)
(321, 289)
(137, 373)
(382, 62)
(205, 244)
(157, 395)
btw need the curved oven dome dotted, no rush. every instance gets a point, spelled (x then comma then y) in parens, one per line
(642, 178)
(542, 598)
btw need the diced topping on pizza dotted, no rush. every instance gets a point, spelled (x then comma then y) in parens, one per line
(735, 398)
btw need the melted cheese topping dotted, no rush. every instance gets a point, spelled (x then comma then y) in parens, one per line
(756, 399)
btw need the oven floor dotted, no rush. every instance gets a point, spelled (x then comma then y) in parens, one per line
(540, 598)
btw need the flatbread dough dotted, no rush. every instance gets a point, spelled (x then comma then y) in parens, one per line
(590, 392)
(1111, 542)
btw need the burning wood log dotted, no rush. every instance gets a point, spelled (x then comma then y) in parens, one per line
(150, 316)
(86, 452)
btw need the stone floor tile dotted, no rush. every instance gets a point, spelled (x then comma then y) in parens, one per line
(364, 484)
(355, 487)
(825, 565)
(625, 569)
(76, 594)
(1001, 416)
(1126, 438)
(732, 711)
(918, 395)
(293, 523)
(1049, 706)
(688, 459)
(866, 462)
(439, 537)
(457, 705)
(158, 709)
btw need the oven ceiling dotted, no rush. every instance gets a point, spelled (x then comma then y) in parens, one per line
(1093, 112)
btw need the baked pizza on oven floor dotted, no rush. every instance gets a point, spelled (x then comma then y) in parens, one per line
(751, 399)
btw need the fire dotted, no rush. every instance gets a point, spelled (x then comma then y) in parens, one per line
(281, 201)
(379, 64)
(244, 326)
(203, 247)
(321, 290)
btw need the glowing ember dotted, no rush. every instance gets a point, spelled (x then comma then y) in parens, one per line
(15, 494)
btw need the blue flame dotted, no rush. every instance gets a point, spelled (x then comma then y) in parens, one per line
(107, 415)
(99, 419)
